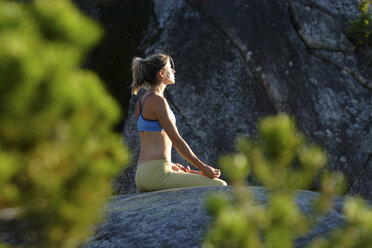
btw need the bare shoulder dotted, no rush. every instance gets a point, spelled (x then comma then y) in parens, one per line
(158, 101)
(157, 97)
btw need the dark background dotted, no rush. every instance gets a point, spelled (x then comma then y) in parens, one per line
(124, 23)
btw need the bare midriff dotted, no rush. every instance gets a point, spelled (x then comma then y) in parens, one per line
(154, 145)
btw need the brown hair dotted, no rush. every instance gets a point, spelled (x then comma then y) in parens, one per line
(144, 70)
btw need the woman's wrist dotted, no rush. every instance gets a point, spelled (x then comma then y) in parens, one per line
(200, 165)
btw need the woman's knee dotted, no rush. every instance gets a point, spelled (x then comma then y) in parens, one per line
(219, 182)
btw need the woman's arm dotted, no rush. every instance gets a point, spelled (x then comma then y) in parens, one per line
(161, 110)
(180, 167)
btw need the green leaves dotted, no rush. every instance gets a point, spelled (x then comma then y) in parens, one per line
(59, 20)
(282, 161)
(360, 31)
(58, 153)
(279, 158)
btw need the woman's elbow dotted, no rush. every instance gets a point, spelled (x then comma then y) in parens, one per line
(177, 141)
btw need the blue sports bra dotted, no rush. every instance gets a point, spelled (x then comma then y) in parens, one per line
(149, 125)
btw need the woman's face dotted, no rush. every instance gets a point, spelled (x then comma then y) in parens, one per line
(169, 74)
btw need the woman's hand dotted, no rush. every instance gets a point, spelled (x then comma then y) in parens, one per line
(207, 170)
(179, 167)
(210, 172)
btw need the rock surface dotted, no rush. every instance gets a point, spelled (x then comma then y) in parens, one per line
(177, 218)
(241, 61)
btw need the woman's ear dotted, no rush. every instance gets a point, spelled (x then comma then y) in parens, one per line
(161, 73)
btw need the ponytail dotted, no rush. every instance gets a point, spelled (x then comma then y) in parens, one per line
(138, 80)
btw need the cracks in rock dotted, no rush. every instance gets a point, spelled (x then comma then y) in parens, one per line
(312, 50)
(362, 170)
(297, 23)
(314, 5)
(356, 75)
(258, 75)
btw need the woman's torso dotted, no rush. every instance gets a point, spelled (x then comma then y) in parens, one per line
(154, 144)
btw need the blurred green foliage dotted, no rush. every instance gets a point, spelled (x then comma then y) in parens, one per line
(58, 153)
(360, 31)
(283, 161)
(357, 231)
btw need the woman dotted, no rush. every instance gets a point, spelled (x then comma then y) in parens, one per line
(156, 124)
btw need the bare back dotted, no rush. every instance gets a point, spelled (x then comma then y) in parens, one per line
(154, 145)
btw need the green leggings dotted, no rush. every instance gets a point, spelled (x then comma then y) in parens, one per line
(158, 174)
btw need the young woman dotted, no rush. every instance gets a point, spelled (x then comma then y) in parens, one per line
(156, 124)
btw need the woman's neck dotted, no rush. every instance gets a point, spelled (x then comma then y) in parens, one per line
(158, 89)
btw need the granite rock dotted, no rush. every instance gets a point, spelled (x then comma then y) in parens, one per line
(241, 61)
(177, 218)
